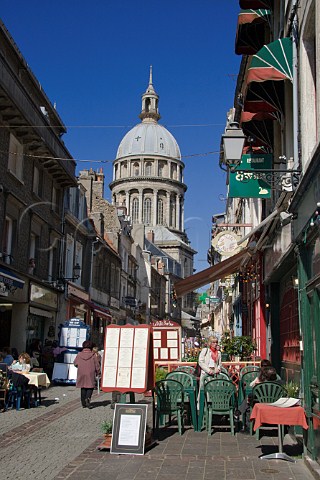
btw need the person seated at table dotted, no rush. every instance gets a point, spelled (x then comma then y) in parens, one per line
(6, 356)
(23, 364)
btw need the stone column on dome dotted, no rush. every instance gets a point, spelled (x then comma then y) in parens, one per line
(128, 203)
(169, 169)
(155, 207)
(156, 168)
(178, 211)
(167, 219)
(178, 172)
(182, 214)
(140, 205)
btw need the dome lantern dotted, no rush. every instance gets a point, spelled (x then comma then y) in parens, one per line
(150, 100)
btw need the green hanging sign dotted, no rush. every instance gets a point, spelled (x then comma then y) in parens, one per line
(245, 184)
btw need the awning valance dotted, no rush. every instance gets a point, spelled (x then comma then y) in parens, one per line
(251, 31)
(99, 311)
(220, 270)
(259, 126)
(10, 279)
(272, 62)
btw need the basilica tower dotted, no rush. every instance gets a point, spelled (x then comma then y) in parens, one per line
(148, 172)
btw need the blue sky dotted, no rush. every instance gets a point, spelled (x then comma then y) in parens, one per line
(92, 59)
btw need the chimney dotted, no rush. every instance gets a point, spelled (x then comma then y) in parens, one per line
(150, 236)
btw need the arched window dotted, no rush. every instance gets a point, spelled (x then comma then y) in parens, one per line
(160, 169)
(148, 169)
(147, 211)
(172, 213)
(160, 211)
(136, 169)
(135, 210)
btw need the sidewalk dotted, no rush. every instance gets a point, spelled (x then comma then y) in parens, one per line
(59, 440)
(192, 456)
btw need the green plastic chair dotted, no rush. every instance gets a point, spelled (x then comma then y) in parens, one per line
(190, 389)
(220, 400)
(224, 370)
(248, 368)
(244, 384)
(222, 376)
(186, 369)
(170, 400)
(265, 392)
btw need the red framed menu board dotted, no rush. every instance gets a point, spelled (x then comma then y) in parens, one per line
(166, 340)
(126, 360)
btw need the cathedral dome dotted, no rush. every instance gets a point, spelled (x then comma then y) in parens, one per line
(149, 138)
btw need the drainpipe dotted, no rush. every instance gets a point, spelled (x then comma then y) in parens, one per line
(293, 27)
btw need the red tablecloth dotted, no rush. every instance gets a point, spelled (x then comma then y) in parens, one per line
(264, 413)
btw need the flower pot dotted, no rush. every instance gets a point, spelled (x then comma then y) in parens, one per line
(107, 440)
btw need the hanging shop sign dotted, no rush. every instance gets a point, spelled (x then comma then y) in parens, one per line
(243, 183)
(226, 243)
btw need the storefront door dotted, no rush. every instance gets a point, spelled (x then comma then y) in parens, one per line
(313, 365)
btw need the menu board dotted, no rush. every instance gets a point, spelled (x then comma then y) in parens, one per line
(126, 358)
(166, 343)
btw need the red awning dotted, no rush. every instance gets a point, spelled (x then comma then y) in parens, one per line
(209, 275)
(99, 311)
(252, 31)
(255, 4)
(259, 126)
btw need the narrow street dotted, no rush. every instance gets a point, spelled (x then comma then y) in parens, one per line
(59, 440)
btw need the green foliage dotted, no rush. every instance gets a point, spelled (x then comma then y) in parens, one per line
(160, 374)
(106, 427)
(190, 359)
(242, 346)
(293, 389)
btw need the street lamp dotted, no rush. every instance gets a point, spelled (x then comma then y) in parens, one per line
(233, 141)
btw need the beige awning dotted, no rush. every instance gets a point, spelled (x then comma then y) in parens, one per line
(220, 270)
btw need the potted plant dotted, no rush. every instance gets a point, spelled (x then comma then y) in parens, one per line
(106, 429)
(238, 347)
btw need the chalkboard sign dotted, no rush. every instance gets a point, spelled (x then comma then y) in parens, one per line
(129, 429)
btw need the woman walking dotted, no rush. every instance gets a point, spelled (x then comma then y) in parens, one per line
(88, 368)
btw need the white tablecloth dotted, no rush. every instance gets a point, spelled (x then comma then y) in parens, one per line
(38, 379)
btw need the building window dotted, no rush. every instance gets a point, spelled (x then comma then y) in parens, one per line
(160, 211)
(135, 210)
(147, 211)
(148, 169)
(33, 252)
(15, 162)
(37, 182)
(136, 169)
(7, 240)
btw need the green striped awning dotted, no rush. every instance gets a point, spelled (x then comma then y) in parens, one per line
(272, 62)
(250, 15)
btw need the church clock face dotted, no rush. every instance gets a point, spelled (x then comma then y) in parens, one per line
(226, 243)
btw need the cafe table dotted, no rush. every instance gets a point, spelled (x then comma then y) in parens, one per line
(263, 413)
(36, 381)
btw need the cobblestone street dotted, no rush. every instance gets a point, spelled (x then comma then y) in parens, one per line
(59, 440)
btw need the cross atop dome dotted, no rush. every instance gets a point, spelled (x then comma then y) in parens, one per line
(150, 100)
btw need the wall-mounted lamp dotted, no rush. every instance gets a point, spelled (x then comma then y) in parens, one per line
(295, 282)
(61, 281)
(233, 142)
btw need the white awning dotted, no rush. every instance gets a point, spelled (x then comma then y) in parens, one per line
(40, 312)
